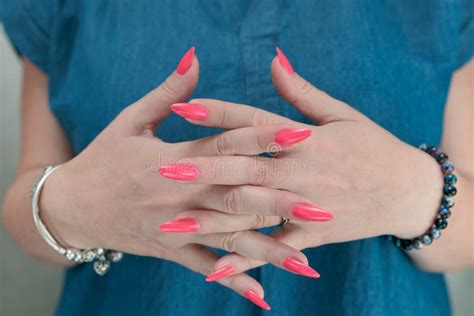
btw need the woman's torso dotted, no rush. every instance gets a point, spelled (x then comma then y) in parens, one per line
(392, 60)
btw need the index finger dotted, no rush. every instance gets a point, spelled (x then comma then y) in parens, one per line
(228, 115)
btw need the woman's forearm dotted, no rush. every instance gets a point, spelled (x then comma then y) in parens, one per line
(18, 219)
(454, 250)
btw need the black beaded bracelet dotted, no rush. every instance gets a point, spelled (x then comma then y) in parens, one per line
(444, 212)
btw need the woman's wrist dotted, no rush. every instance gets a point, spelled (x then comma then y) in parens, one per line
(57, 203)
(423, 187)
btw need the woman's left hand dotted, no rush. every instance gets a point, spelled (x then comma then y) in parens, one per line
(372, 182)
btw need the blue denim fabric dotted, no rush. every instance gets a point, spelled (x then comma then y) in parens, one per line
(390, 59)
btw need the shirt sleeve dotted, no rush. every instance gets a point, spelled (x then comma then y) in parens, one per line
(28, 24)
(466, 33)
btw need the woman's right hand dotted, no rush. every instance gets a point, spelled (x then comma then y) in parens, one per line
(111, 195)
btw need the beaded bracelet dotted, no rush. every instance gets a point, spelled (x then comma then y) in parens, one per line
(447, 202)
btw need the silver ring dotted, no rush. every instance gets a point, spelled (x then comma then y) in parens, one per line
(284, 221)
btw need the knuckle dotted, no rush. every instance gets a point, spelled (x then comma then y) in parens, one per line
(259, 221)
(260, 118)
(259, 173)
(267, 254)
(225, 145)
(232, 200)
(233, 283)
(306, 88)
(206, 270)
(167, 89)
(262, 144)
(229, 241)
(302, 93)
(247, 263)
(222, 117)
(275, 207)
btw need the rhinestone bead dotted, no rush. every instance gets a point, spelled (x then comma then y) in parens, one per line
(88, 255)
(114, 256)
(450, 190)
(78, 256)
(426, 239)
(435, 232)
(101, 267)
(69, 254)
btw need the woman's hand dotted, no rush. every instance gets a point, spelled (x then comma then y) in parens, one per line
(373, 183)
(111, 195)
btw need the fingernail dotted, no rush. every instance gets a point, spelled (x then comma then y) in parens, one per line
(257, 300)
(186, 62)
(284, 62)
(179, 171)
(182, 225)
(190, 111)
(310, 213)
(299, 267)
(291, 136)
(220, 273)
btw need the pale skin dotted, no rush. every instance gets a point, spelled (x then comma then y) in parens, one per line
(364, 189)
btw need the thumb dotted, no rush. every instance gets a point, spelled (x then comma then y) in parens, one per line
(309, 100)
(146, 113)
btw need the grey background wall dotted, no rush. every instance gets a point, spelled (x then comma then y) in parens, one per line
(31, 288)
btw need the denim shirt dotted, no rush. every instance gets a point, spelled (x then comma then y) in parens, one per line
(392, 60)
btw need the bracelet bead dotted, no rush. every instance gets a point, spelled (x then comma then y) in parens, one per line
(447, 201)
(444, 211)
(450, 179)
(450, 190)
(426, 239)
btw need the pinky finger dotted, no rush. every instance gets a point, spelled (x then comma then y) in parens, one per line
(235, 263)
(202, 260)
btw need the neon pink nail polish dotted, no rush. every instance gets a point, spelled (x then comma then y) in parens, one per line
(182, 225)
(186, 62)
(257, 300)
(179, 171)
(284, 62)
(190, 111)
(310, 213)
(291, 136)
(299, 267)
(220, 273)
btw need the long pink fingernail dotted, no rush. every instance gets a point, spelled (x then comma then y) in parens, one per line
(220, 273)
(182, 225)
(190, 111)
(179, 171)
(186, 62)
(299, 267)
(310, 213)
(284, 62)
(257, 300)
(291, 136)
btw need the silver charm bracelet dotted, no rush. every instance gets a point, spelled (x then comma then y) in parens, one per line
(102, 257)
